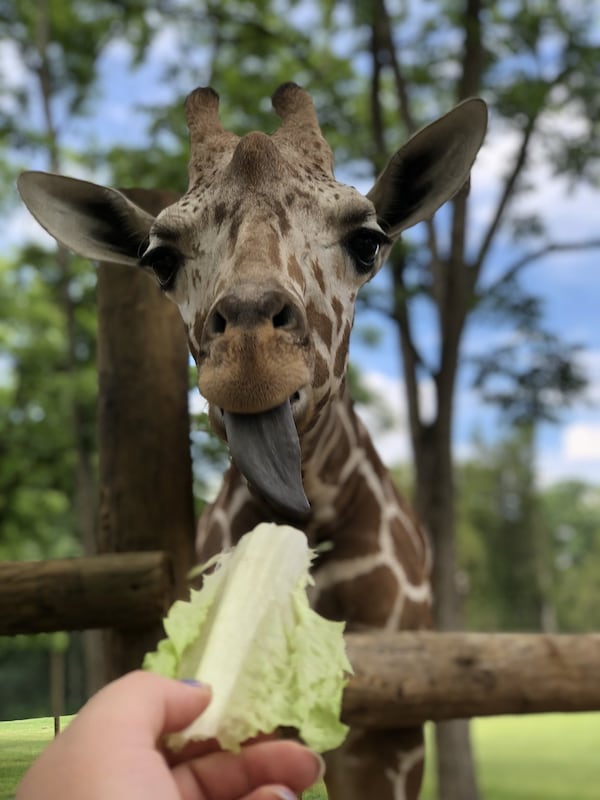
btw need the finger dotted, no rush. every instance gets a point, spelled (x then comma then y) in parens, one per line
(194, 749)
(143, 706)
(229, 776)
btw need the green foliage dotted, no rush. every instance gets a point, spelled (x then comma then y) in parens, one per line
(533, 376)
(59, 43)
(571, 519)
(498, 535)
(37, 394)
(25, 668)
(529, 554)
(210, 457)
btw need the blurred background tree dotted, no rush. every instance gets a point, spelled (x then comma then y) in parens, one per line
(377, 69)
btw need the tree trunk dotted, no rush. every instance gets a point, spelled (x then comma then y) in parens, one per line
(146, 500)
(435, 497)
(435, 504)
(451, 292)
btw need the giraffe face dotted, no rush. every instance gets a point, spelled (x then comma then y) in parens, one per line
(264, 264)
(264, 256)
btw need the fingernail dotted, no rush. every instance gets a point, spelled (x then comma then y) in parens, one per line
(193, 682)
(283, 793)
(321, 766)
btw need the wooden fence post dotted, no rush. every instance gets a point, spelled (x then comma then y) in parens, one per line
(145, 472)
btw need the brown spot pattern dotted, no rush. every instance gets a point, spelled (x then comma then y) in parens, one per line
(365, 600)
(341, 356)
(320, 323)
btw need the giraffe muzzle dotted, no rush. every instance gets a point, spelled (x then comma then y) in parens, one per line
(266, 449)
(255, 351)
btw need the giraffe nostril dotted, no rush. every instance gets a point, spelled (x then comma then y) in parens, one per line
(250, 307)
(217, 323)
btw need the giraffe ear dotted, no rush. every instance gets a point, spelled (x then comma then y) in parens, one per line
(430, 168)
(93, 221)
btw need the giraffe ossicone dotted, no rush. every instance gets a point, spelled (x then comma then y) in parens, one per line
(264, 256)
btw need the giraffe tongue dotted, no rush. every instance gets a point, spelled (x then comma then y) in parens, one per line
(266, 450)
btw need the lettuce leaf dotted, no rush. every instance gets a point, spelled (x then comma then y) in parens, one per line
(250, 634)
(316, 792)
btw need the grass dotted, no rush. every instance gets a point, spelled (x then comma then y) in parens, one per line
(537, 757)
(20, 742)
(545, 757)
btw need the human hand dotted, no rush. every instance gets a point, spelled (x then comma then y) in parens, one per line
(112, 751)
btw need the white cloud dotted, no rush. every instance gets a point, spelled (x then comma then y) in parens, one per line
(552, 468)
(581, 442)
(387, 419)
(577, 456)
(578, 452)
(197, 403)
(390, 437)
(569, 212)
(12, 68)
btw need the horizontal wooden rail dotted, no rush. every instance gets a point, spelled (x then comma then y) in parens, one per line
(117, 590)
(400, 679)
(407, 678)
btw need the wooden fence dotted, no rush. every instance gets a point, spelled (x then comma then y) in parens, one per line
(399, 678)
(145, 549)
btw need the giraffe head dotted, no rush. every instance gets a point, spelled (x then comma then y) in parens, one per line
(264, 256)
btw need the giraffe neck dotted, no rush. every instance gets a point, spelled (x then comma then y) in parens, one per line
(338, 460)
(367, 531)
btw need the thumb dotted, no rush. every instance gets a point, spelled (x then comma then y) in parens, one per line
(149, 704)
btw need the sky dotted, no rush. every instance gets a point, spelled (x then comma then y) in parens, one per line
(569, 284)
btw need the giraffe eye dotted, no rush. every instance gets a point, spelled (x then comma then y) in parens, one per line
(364, 246)
(165, 263)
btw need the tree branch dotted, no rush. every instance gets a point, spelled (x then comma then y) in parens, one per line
(376, 110)
(472, 62)
(411, 357)
(42, 42)
(383, 22)
(468, 86)
(535, 255)
(509, 187)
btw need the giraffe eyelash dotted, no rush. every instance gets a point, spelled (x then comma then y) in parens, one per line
(364, 246)
(165, 262)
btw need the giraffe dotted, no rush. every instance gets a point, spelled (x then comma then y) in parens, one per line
(264, 255)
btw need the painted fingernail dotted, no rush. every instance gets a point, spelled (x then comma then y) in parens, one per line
(193, 682)
(283, 793)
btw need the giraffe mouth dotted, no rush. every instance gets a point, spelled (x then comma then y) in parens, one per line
(266, 449)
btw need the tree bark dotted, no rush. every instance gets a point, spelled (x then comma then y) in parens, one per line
(404, 679)
(456, 775)
(146, 500)
(130, 591)
(431, 441)
(435, 495)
